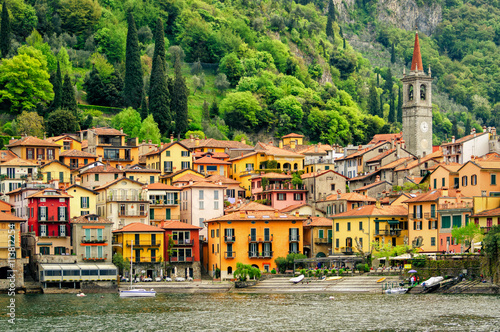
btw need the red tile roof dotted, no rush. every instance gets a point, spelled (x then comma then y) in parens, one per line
(371, 185)
(161, 186)
(175, 224)
(9, 217)
(107, 131)
(293, 135)
(77, 153)
(203, 184)
(316, 174)
(273, 175)
(190, 177)
(210, 160)
(256, 215)
(351, 197)
(318, 221)
(213, 143)
(138, 227)
(117, 180)
(386, 138)
(373, 210)
(251, 206)
(216, 178)
(271, 150)
(464, 139)
(431, 196)
(32, 141)
(416, 61)
(293, 207)
(6, 155)
(382, 155)
(103, 169)
(85, 220)
(18, 162)
(487, 213)
(42, 193)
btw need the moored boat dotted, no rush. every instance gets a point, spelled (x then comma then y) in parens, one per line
(297, 279)
(137, 292)
(399, 290)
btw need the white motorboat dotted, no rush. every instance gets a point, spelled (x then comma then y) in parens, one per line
(136, 292)
(432, 282)
(297, 279)
(399, 290)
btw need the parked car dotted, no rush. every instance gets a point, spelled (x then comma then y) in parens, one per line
(147, 279)
(168, 279)
(180, 279)
(157, 279)
(125, 279)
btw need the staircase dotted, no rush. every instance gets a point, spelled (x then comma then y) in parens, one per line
(462, 286)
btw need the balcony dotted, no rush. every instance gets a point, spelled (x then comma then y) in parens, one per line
(73, 165)
(461, 205)
(430, 215)
(132, 214)
(294, 252)
(346, 250)
(181, 259)
(253, 254)
(146, 260)
(186, 242)
(229, 254)
(485, 229)
(123, 198)
(53, 234)
(261, 239)
(94, 239)
(144, 243)
(94, 259)
(163, 202)
(162, 216)
(284, 186)
(322, 240)
(229, 238)
(294, 238)
(266, 254)
(391, 232)
(53, 219)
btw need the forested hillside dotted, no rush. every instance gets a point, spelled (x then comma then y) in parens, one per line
(259, 68)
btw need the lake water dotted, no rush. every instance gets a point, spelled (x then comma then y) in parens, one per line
(254, 312)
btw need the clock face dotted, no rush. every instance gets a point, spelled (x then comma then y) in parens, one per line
(424, 126)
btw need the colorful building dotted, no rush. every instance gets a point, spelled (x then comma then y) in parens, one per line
(10, 251)
(67, 142)
(210, 166)
(15, 172)
(34, 149)
(163, 202)
(76, 158)
(453, 212)
(96, 176)
(173, 178)
(92, 239)
(172, 157)
(233, 189)
(143, 244)
(276, 190)
(142, 174)
(338, 203)
(255, 238)
(480, 177)
(185, 256)
(445, 176)
(318, 237)
(83, 201)
(57, 171)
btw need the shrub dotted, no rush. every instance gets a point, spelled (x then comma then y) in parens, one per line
(273, 271)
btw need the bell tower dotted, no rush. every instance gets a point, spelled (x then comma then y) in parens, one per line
(417, 106)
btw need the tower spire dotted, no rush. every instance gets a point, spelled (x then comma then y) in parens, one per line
(416, 62)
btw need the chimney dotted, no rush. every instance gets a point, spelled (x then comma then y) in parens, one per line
(444, 191)
(473, 157)
(473, 132)
(484, 129)
(276, 213)
(242, 214)
(458, 194)
(453, 139)
(297, 214)
(377, 178)
(377, 204)
(280, 144)
(150, 142)
(191, 138)
(197, 141)
(121, 130)
(360, 147)
(243, 140)
(99, 159)
(316, 148)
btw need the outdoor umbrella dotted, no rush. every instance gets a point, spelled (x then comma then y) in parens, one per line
(412, 271)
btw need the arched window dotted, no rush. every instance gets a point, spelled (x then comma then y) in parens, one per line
(464, 181)
(229, 270)
(295, 166)
(473, 180)
(422, 92)
(410, 92)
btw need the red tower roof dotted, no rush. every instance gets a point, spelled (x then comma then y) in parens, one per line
(416, 62)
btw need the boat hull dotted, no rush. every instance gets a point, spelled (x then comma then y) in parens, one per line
(297, 279)
(137, 293)
(396, 291)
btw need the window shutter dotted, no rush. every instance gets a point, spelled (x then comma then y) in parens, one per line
(430, 225)
(66, 216)
(39, 230)
(39, 212)
(81, 202)
(414, 225)
(414, 211)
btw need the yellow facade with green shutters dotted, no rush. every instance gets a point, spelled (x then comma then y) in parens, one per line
(170, 159)
(147, 247)
(83, 200)
(56, 170)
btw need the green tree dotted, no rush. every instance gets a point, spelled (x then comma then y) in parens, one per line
(121, 263)
(159, 51)
(61, 121)
(454, 128)
(393, 54)
(128, 119)
(292, 108)
(231, 66)
(79, 16)
(221, 83)
(68, 100)
(102, 65)
(29, 123)
(179, 105)
(244, 272)
(373, 107)
(329, 28)
(24, 83)
(159, 96)
(331, 10)
(467, 235)
(468, 126)
(149, 130)
(144, 107)
(196, 67)
(206, 110)
(132, 93)
(240, 110)
(57, 83)
(491, 246)
(5, 31)
(400, 105)
(214, 109)
(63, 59)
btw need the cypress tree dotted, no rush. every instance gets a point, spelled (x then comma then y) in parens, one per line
(393, 54)
(378, 79)
(179, 99)
(206, 110)
(392, 109)
(381, 110)
(132, 93)
(331, 10)
(373, 106)
(468, 126)
(5, 31)
(57, 83)
(344, 42)
(158, 100)
(329, 28)
(214, 110)
(400, 105)
(144, 107)
(68, 100)
(159, 50)
(454, 127)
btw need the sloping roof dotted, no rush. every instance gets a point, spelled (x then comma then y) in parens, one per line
(77, 153)
(256, 215)
(176, 224)
(85, 220)
(9, 217)
(416, 61)
(213, 143)
(210, 160)
(272, 175)
(171, 175)
(396, 163)
(115, 181)
(487, 164)
(386, 137)
(274, 151)
(364, 176)
(203, 184)
(107, 131)
(465, 139)
(451, 167)
(54, 161)
(373, 210)
(242, 156)
(362, 151)
(41, 193)
(190, 177)
(415, 163)
(218, 155)
(321, 149)
(293, 207)
(85, 144)
(32, 141)
(382, 155)
(293, 135)
(58, 138)
(316, 174)
(137, 227)
(16, 161)
(351, 197)
(140, 169)
(161, 186)
(103, 169)
(165, 147)
(487, 213)
(219, 178)
(318, 221)
(371, 185)
(431, 196)
(6, 155)
(81, 187)
(251, 206)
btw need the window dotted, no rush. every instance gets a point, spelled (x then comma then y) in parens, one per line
(249, 167)
(50, 154)
(360, 225)
(417, 225)
(332, 187)
(202, 205)
(410, 92)
(62, 213)
(435, 183)
(184, 153)
(212, 233)
(167, 153)
(216, 194)
(40, 154)
(321, 233)
(96, 177)
(456, 182)
(45, 250)
(464, 181)
(185, 164)
(62, 230)
(43, 230)
(167, 166)
(349, 226)
(433, 211)
(457, 221)
(99, 234)
(281, 196)
(111, 154)
(29, 154)
(297, 197)
(99, 251)
(433, 241)
(87, 252)
(84, 202)
(216, 205)
(336, 227)
(473, 180)
(445, 222)
(201, 224)
(422, 92)
(493, 179)
(336, 243)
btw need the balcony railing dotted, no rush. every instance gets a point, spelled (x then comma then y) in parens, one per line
(94, 239)
(260, 239)
(162, 202)
(321, 240)
(94, 259)
(53, 219)
(485, 229)
(430, 215)
(132, 214)
(73, 165)
(294, 238)
(181, 259)
(53, 234)
(118, 198)
(160, 216)
(144, 243)
(253, 254)
(346, 250)
(146, 260)
(461, 205)
(284, 186)
(229, 254)
(294, 252)
(266, 254)
(392, 232)
(185, 242)
(229, 238)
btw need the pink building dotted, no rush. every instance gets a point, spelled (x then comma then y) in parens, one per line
(277, 190)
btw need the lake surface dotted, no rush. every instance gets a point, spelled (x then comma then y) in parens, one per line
(254, 312)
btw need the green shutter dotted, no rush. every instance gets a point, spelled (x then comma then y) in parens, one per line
(167, 214)
(81, 202)
(151, 213)
(457, 221)
(445, 222)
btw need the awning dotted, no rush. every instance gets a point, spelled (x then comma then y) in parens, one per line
(49, 267)
(44, 244)
(401, 257)
(70, 267)
(88, 266)
(107, 267)
(391, 222)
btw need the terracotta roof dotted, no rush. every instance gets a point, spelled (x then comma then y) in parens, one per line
(273, 175)
(364, 176)
(115, 181)
(430, 196)
(219, 178)
(140, 169)
(487, 213)
(54, 161)
(451, 167)
(293, 207)
(182, 171)
(251, 206)
(210, 160)
(318, 221)
(176, 224)
(81, 187)
(165, 147)
(414, 163)
(32, 141)
(85, 220)
(416, 61)
(218, 155)
(161, 186)
(41, 194)
(9, 217)
(362, 151)
(85, 144)
(322, 149)
(256, 215)
(77, 153)
(203, 184)
(242, 156)
(292, 135)
(351, 197)
(274, 151)
(371, 185)
(464, 139)
(190, 177)
(213, 143)
(103, 169)
(316, 174)
(6, 155)
(487, 164)
(382, 155)
(138, 227)
(18, 162)
(396, 163)
(57, 138)
(107, 131)
(489, 156)
(373, 210)
(386, 138)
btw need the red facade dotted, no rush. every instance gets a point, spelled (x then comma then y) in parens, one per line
(49, 215)
(181, 242)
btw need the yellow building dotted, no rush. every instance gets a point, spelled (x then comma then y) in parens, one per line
(445, 176)
(66, 142)
(83, 200)
(172, 157)
(142, 174)
(56, 170)
(76, 159)
(143, 244)
(10, 237)
(480, 178)
(112, 145)
(486, 212)
(243, 167)
(318, 236)
(358, 228)
(292, 140)
(163, 202)
(34, 149)
(184, 174)
(256, 238)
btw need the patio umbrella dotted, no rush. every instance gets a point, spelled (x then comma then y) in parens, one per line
(412, 271)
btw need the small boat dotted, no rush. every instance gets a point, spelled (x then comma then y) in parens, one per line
(81, 294)
(297, 279)
(332, 297)
(432, 282)
(333, 278)
(137, 292)
(381, 279)
(399, 290)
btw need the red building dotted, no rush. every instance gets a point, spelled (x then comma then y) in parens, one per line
(49, 219)
(185, 258)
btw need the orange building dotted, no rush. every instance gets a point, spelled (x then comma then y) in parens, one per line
(35, 149)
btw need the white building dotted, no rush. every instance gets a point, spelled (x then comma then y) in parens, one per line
(15, 172)
(461, 150)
